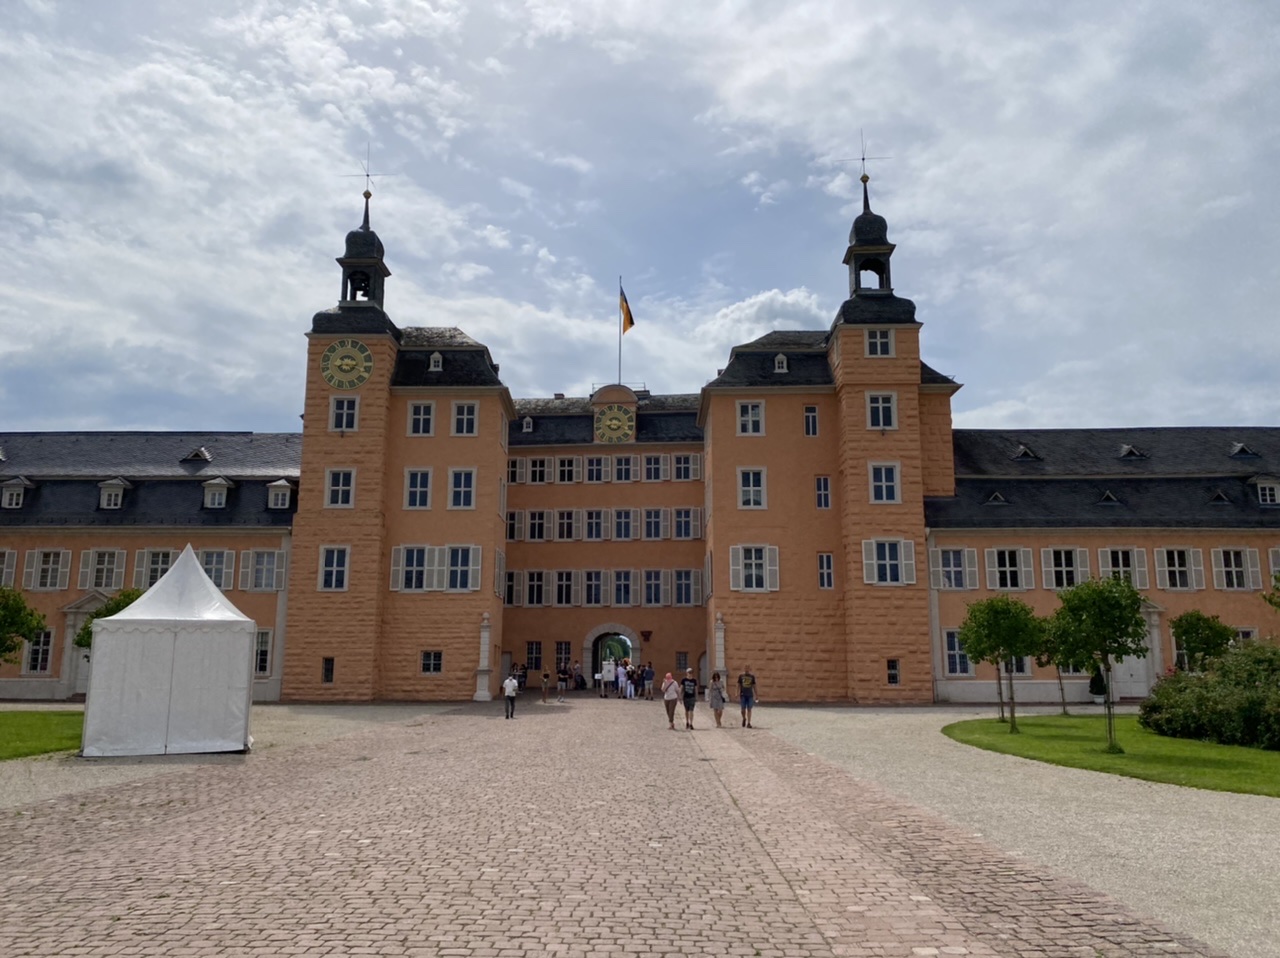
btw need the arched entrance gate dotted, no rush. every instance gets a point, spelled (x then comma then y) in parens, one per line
(610, 640)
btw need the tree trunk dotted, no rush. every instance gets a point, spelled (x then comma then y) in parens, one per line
(1062, 692)
(1000, 691)
(1109, 706)
(1013, 707)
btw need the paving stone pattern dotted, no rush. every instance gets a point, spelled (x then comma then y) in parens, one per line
(585, 828)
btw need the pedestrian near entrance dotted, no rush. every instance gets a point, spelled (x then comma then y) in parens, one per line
(546, 684)
(562, 682)
(689, 692)
(746, 695)
(509, 689)
(648, 681)
(715, 697)
(670, 693)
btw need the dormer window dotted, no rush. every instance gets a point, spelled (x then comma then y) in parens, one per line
(1131, 452)
(199, 454)
(12, 496)
(1240, 451)
(780, 363)
(996, 499)
(1269, 493)
(1024, 454)
(1219, 498)
(279, 494)
(215, 493)
(111, 493)
(1108, 499)
(526, 424)
(437, 362)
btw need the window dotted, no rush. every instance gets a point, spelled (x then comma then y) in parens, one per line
(753, 568)
(654, 470)
(822, 492)
(568, 469)
(751, 492)
(262, 653)
(686, 587)
(564, 654)
(881, 413)
(622, 468)
(1018, 666)
(682, 662)
(436, 363)
(888, 561)
(750, 419)
(1064, 568)
(462, 488)
(893, 672)
(533, 656)
(884, 482)
(1124, 563)
(687, 467)
(464, 568)
(1237, 569)
(413, 571)
(622, 587)
(105, 570)
(536, 531)
(685, 524)
(598, 468)
(653, 587)
(1009, 569)
(13, 497)
(39, 650)
(955, 568)
(593, 587)
(514, 589)
(534, 593)
(432, 663)
(342, 413)
(1245, 636)
(537, 471)
(564, 588)
(417, 489)
(879, 342)
(957, 661)
(422, 418)
(215, 494)
(516, 470)
(780, 363)
(261, 571)
(464, 419)
(622, 524)
(1268, 493)
(566, 525)
(333, 569)
(110, 497)
(826, 571)
(810, 420)
(1179, 568)
(158, 562)
(595, 525)
(326, 670)
(653, 524)
(341, 486)
(279, 496)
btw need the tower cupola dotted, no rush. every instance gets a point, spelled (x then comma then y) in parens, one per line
(363, 269)
(869, 251)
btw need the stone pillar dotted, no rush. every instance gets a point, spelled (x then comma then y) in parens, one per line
(482, 673)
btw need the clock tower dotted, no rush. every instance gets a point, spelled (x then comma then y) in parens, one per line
(613, 414)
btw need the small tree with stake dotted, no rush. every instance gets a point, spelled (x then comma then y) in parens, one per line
(18, 623)
(998, 630)
(1100, 621)
(1201, 637)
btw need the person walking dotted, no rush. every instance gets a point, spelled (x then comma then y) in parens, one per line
(509, 689)
(670, 693)
(746, 695)
(562, 682)
(689, 692)
(648, 681)
(546, 684)
(715, 698)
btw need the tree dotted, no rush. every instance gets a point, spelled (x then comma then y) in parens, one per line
(1061, 656)
(121, 600)
(1272, 598)
(1100, 621)
(999, 630)
(1201, 637)
(18, 623)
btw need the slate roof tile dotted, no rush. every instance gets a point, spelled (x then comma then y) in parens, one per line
(140, 455)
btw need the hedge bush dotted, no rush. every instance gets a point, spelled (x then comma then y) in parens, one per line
(1236, 701)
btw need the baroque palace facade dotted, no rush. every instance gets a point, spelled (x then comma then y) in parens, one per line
(811, 513)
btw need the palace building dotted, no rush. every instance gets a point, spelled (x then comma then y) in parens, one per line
(811, 513)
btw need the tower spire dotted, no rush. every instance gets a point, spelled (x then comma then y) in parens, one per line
(866, 201)
(368, 196)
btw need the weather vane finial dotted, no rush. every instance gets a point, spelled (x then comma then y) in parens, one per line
(368, 176)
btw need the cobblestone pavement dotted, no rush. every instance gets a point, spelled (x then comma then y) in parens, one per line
(587, 828)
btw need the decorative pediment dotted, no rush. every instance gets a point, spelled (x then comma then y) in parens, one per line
(1024, 454)
(1131, 452)
(1240, 451)
(199, 454)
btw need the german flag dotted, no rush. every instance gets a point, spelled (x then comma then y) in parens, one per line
(625, 308)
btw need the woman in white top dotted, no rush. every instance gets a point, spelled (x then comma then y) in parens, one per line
(670, 695)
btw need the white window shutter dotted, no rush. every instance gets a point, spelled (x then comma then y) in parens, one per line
(606, 469)
(696, 578)
(437, 576)
(577, 468)
(520, 526)
(1219, 576)
(935, 568)
(278, 584)
(1140, 578)
(1104, 563)
(522, 470)
(397, 568)
(993, 575)
(1272, 554)
(575, 587)
(772, 577)
(970, 568)
(637, 587)
(228, 570)
(517, 587)
(606, 587)
(606, 523)
(117, 578)
(665, 467)
(246, 570)
(1162, 569)
(1197, 568)
(579, 522)
(1046, 567)
(64, 569)
(1082, 565)
(1255, 569)
(140, 569)
(29, 569)
(1028, 575)
(695, 520)
(10, 563)
(708, 583)
(869, 561)
(86, 569)
(500, 574)
(908, 562)
(666, 524)
(474, 582)
(735, 568)
(695, 466)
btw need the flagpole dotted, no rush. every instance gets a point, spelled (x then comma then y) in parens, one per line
(619, 329)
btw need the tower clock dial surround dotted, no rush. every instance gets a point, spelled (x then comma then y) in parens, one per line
(346, 364)
(615, 423)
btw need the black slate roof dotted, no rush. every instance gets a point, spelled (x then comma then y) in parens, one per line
(1153, 451)
(464, 362)
(74, 502)
(144, 455)
(651, 427)
(439, 337)
(756, 369)
(1079, 503)
(782, 340)
(366, 318)
(876, 309)
(931, 377)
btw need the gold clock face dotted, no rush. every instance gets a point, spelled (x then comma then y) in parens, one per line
(346, 364)
(615, 423)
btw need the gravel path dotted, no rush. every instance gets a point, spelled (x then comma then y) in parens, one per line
(1205, 862)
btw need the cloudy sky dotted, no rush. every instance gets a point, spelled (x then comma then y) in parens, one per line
(1084, 195)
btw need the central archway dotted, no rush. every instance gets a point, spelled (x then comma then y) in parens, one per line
(609, 639)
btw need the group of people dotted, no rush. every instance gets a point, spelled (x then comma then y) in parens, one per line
(685, 690)
(625, 679)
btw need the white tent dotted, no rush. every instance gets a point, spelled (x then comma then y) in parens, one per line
(172, 673)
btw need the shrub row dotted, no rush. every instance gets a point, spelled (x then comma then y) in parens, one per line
(1236, 701)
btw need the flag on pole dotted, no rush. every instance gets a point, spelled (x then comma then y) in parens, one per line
(625, 307)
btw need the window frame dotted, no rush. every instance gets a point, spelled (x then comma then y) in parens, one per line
(332, 487)
(462, 497)
(410, 492)
(881, 338)
(892, 484)
(415, 416)
(346, 407)
(810, 421)
(750, 417)
(877, 404)
(465, 420)
(338, 570)
(744, 490)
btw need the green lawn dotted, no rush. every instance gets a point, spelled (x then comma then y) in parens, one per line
(34, 733)
(1079, 742)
